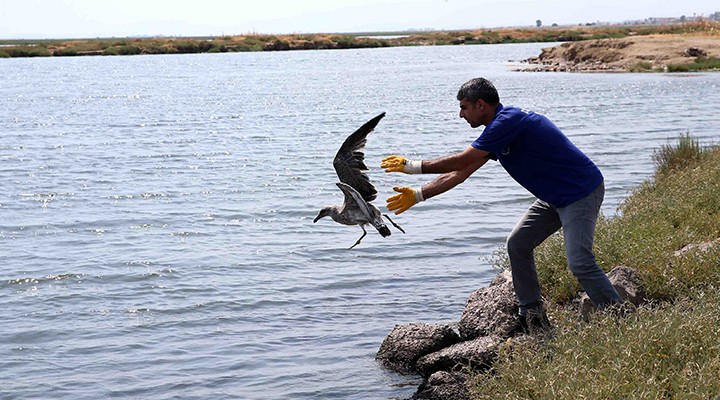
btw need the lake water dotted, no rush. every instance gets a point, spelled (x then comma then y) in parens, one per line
(156, 235)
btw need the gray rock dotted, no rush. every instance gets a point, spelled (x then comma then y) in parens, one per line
(502, 278)
(407, 343)
(443, 385)
(475, 354)
(701, 247)
(491, 310)
(694, 52)
(628, 284)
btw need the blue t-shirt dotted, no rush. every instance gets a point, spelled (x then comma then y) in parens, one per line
(539, 156)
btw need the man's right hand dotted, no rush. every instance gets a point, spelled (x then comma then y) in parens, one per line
(401, 164)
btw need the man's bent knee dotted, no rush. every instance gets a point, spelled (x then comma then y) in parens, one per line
(584, 268)
(518, 247)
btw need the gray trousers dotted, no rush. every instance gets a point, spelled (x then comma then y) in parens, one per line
(578, 223)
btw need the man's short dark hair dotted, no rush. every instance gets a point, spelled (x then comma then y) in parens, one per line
(479, 89)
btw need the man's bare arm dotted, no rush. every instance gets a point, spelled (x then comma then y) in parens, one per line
(449, 180)
(454, 162)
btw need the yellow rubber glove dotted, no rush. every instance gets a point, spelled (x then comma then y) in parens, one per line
(401, 164)
(406, 198)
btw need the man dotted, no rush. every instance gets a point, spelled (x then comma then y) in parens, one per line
(568, 185)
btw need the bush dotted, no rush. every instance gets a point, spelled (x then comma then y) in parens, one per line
(570, 37)
(186, 47)
(322, 44)
(193, 47)
(121, 51)
(153, 48)
(671, 157)
(64, 52)
(205, 46)
(706, 63)
(218, 48)
(27, 51)
(344, 42)
(678, 68)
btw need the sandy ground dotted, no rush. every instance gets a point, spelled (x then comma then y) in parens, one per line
(625, 54)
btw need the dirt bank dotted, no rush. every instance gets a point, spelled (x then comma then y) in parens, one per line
(638, 53)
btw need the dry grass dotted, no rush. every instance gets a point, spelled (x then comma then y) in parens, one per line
(664, 352)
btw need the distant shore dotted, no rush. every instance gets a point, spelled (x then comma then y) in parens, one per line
(548, 61)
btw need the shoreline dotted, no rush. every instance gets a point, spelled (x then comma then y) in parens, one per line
(585, 48)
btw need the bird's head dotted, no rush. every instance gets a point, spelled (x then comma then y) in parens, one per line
(323, 213)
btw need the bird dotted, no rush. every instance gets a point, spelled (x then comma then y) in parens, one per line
(349, 164)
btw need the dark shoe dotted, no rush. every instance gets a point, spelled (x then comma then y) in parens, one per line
(536, 321)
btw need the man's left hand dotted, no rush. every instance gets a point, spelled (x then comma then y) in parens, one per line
(406, 198)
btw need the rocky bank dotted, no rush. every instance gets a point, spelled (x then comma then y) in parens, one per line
(446, 355)
(635, 53)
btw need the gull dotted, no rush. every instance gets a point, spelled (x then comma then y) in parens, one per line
(350, 166)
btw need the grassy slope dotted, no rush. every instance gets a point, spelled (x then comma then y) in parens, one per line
(670, 349)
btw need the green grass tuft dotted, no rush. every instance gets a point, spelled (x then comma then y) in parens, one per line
(670, 157)
(700, 64)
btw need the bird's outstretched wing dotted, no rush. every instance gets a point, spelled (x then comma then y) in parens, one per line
(349, 161)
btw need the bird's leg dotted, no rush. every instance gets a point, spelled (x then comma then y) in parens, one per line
(361, 237)
(393, 222)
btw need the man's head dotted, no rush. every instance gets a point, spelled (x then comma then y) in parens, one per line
(478, 101)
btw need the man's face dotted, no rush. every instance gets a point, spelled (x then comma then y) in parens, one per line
(472, 112)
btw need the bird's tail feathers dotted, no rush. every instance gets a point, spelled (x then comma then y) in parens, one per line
(384, 231)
